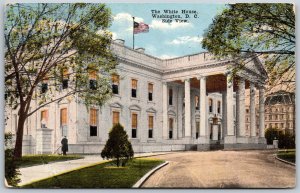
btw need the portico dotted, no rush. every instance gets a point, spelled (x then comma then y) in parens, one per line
(220, 121)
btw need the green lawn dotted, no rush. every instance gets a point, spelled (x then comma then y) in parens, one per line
(31, 160)
(288, 155)
(104, 175)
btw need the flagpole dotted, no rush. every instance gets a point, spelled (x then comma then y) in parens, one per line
(133, 33)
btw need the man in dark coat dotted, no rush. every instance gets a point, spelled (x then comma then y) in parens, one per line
(64, 145)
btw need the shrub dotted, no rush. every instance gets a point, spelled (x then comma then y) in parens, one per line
(286, 141)
(11, 171)
(271, 134)
(118, 147)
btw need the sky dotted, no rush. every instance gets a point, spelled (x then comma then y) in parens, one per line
(164, 40)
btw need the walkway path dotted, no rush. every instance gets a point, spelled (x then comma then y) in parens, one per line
(223, 169)
(38, 172)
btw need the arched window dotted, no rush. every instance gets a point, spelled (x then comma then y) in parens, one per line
(219, 107)
(197, 102)
(210, 105)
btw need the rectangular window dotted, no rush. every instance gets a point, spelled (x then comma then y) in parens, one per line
(115, 83)
(44, 86)
(150, 92)
(170, 97)
(150, 126)
(116, 117)
(170, 128)
(44, 118)
(197, 102)
(64, 121)
(219, 107)
(197, 129)
(133, 88)
(93, 79)
(65, 80)
(93, 122)
(133, 125)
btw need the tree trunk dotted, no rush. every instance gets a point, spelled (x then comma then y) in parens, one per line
(19, 136)
(118, 161)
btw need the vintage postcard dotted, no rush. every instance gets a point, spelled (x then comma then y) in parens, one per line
(152, 95)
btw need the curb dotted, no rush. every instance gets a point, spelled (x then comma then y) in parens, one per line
(139, 183)
(284, 161)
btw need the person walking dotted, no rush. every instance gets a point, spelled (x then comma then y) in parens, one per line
(64, 147)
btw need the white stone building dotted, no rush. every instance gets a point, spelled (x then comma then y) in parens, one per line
(183, 103)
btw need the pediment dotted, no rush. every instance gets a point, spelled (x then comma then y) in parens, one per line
(171, 112)
(135, 108)
(116, 105)
(151, 110)
(256, 66)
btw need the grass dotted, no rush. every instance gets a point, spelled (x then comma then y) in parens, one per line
(31, 160)
(288, 155)
(103, 175)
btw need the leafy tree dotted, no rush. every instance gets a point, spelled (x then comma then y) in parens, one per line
(118, 147)
(55, 51)
(256, 29)
(11, 171)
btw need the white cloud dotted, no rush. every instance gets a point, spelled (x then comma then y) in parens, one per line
(121, 17)
(185, 40)
(114, 35)
(166, 56)
(157, 24)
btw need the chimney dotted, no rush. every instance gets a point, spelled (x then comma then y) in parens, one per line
(142, 50)
(120, 41)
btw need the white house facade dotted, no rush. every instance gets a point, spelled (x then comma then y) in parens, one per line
(185, 103)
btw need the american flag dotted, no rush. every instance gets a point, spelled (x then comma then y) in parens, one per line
(140, 28)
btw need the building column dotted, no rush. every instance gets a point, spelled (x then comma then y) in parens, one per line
(262, 115)
(179, 112)
(252, 111)
(240, 108)
(187, 109)
(224, 131)
(230, 138)
(165, 110)
(203, 110)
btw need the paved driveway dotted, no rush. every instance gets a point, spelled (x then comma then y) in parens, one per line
(222, 169)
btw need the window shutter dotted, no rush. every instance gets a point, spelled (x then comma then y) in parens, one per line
(150, 124)
(115, 79)
(134, 84)
(150, 88)
(93, 117)
(92, 74)
(45, 79)
(171, 123)
(115, 118)
(134, 120)
(65, 73)
(44, 115)
(170, 92)
(63, 116)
